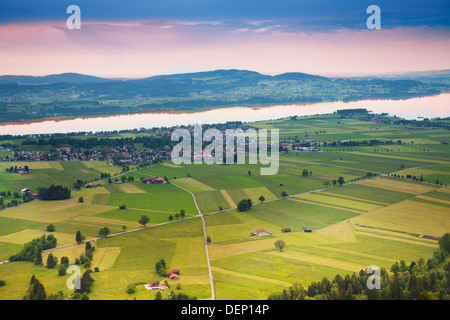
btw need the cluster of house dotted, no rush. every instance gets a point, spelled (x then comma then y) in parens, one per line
(300, 145)
(174, 274)
(122, 154)
(28, 191)
(153, 180)
(19, 170)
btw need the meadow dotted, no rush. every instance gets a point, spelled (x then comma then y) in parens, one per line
(364, 222)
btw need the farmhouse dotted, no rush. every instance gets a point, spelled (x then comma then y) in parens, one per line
(174, 276)
(25, 190)
(173, 271)
(153, 285)
(261, 232)
(308, 230)
(153, 180)
(286, 230)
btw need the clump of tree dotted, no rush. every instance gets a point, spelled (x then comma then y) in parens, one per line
(54, 193)
(51, 228)
(104, 232)
(86, 283)
(244, 205)
(421, 280)
(36, 290)
(32, 251)
(160, 268)
(182, 296)
(79, 184)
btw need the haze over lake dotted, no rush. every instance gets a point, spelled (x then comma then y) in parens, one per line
(428, 107)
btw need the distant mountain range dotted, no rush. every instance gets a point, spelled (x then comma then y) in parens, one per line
(77, 78)
(72, 94)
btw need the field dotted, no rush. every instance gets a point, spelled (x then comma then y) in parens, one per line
(366, 221)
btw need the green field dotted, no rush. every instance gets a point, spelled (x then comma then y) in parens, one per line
(364, 222)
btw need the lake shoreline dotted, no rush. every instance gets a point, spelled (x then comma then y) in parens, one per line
(414, 108)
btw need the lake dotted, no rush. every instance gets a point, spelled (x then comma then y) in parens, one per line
(428, 107)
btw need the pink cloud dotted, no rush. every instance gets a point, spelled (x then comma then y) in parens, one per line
(143, 48)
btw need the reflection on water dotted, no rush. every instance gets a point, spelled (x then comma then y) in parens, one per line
(429, 107)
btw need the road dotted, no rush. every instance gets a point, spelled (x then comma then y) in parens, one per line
(205, 239)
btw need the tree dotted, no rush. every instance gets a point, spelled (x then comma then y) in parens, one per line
(80, 199)
(305, 173)
(51, 261)
(280, 244)
(177, 215)
(261, 198)
(208, 239)
(444, 243)
(37, 291)
(249, 173)
(170, 217)
(104, 232)
(182, 213)
(341, 181)
(144, 220)
(334, 182)
(64, 260)
(124, 228)
(284, 194)
(85, 283)
(243, 205)
(51, 228)
(122, 207)
(79, 237)
(62, 270)
(158, 296)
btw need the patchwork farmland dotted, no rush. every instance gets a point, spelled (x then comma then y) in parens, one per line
(371, 219)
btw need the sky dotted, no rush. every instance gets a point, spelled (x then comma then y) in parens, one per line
(140, 38)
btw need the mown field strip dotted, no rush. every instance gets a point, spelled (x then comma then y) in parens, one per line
(342, 230)
(104, 258)
(327, 205)
(394, 234)
(228, 199)
(433, 199)
(251, 277)
(305, 257)
(402, 186)
(357, 253)
(114, 207)
(107, 221)
(354, 198)
(400, 157)
(326, 164)
(397, 239)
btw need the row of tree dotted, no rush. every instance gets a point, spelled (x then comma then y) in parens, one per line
(32, 251)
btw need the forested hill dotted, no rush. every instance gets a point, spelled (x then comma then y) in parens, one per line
(71, 94)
